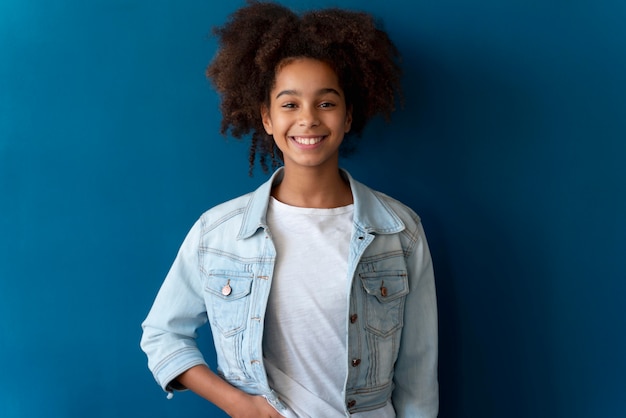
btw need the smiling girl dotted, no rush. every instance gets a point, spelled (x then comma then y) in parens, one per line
(319, 291)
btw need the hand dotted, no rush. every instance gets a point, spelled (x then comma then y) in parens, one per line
(249, 406)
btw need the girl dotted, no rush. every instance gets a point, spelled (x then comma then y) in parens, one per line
(318, 290)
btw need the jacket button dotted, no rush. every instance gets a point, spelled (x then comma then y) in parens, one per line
(351, 403)
(227, 290)
(383, 291)
(353, 318)
(356, 362)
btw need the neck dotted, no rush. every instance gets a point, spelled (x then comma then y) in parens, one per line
(313, 188)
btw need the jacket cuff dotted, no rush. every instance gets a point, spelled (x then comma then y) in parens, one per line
(174, 365)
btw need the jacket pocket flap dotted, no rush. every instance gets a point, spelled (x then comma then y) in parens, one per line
(229, 285)
(385, 285)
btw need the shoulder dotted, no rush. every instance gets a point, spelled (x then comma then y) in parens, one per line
(413, 231)
(246, 213)
(385, 208)
(372, 198)
(404, 212)
(226, 212)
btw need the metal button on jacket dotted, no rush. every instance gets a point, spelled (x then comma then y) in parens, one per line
(227, 290)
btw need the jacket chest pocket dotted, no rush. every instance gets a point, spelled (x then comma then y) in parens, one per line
(227, 297)
(385, 293)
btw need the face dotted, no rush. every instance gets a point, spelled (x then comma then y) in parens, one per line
(307, 115)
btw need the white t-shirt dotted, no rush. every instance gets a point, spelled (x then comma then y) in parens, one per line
(304, 342)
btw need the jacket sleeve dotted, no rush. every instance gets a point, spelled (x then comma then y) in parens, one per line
(416, 393)
(169, 331)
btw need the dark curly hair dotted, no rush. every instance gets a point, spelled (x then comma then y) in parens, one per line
(260, 36)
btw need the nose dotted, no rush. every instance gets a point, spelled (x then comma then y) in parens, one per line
(308, 117)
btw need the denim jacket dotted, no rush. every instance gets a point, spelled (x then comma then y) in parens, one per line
(223, 275)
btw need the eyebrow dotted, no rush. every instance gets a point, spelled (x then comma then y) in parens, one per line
(298, 93)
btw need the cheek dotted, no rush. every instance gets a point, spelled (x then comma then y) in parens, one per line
(281, 145)
(281, 124)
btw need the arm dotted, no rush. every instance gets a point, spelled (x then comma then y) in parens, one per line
(236, 403)
(169, 330)
(169, 338)
(416, 394)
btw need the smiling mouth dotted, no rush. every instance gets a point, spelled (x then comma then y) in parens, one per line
(308, 140)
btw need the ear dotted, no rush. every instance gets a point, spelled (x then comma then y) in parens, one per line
(267, 121)
(348, 122)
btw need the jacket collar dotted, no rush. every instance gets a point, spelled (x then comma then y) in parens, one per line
(371, 213)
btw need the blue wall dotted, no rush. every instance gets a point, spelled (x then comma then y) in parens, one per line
(511, 145)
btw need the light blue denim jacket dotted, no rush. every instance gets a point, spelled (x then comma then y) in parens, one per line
(391, 327)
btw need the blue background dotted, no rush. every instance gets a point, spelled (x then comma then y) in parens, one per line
(511, 146)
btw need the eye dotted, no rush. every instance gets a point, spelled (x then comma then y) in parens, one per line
(288, 105)
(326, 105)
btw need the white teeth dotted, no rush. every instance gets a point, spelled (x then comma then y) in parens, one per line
(308, 140)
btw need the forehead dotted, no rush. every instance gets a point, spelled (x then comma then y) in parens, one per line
(305, 73)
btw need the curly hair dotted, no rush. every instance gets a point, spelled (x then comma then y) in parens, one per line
(260, 36)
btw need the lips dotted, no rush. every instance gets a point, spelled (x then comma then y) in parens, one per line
(308, 140)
